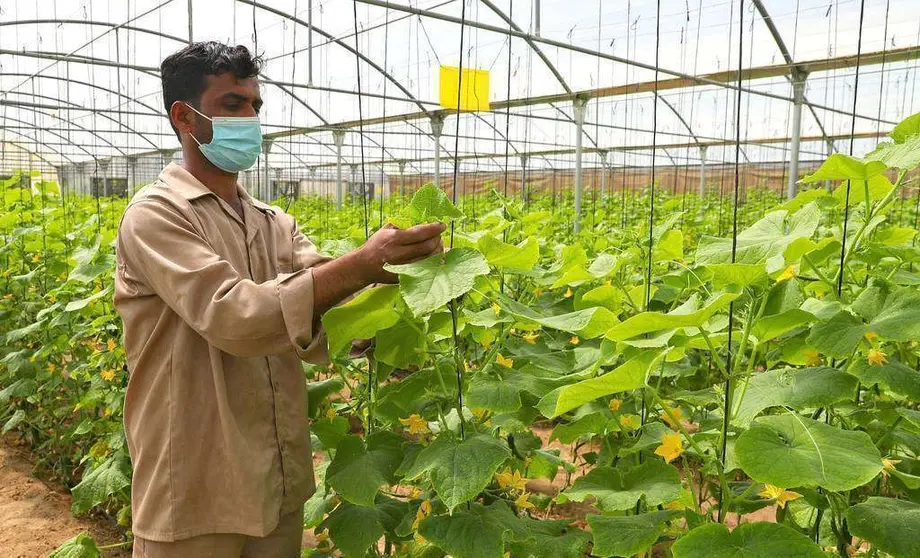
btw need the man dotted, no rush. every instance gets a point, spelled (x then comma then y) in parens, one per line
(221, 297)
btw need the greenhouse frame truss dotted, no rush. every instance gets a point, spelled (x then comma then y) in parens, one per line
(122, 133)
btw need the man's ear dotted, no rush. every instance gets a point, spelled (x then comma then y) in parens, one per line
(182, 117)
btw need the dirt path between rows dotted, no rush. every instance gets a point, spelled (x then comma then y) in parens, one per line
(35, 516)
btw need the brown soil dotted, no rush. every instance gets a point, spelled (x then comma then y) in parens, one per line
(35, 516)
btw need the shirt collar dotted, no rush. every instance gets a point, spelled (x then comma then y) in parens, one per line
(186, 185)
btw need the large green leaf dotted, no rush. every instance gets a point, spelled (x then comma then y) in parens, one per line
(628, 376)
(889, 525)
(501, 255)
(840, 166)
(762, 240)
(355, 528)
(540, 537)
(361, 317)
(615, 489)
(459, 470)
(468, 533)
(750, 540)
(402, 345)
(905, 129)
(81, 546)
(791, 451)
(796, 388)
(357, 472)
(628, 535)
(430, 203)
(109, 478)
(433, 282)
(894, 377)
(685, 316)
(904, 156)
(493, 394)
(588, 323)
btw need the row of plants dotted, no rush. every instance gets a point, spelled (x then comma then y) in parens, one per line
(653, 383)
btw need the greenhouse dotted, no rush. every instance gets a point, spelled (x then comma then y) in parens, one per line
(671, 308)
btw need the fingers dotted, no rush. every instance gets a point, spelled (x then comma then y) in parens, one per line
(420, 250)
(420, 233)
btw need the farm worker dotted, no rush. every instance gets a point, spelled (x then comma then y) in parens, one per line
(221, 297)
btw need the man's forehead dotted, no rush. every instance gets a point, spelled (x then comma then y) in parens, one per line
(228, 84)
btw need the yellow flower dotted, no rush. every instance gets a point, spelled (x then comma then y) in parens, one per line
(35, 258)
(870, 336)
(330, 413)
(574, 340)
(538, 291)
(615, 404)
(888, 466)
(789, 273)
(511, 481)
(416, 424)
(506, 362)
(522, 503)
(51, 367)
(496, 308)
(628, 422)
(812, 358)
(107, 375)
(530, 338)
(479, 413)
(424, 510)
(877, 357)
(568, 293)
(607, 283)
(781, 495)
(671, 447)
(111, 344)
(673, 412)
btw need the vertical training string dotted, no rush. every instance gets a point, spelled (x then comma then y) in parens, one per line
(731, 307)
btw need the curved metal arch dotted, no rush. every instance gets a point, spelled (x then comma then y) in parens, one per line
(787, 56)
(72, 123)
(410, 97)
(38, 142)
(30, 152)
(530, 42)
(89, 84)
(88, 22)
(69, 122)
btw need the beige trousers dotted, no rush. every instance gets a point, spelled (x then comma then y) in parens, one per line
(283, 542)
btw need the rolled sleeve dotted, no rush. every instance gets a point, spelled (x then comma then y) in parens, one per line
(231, 312)
(304, 332)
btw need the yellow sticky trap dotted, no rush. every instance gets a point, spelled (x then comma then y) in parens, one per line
(471, 93)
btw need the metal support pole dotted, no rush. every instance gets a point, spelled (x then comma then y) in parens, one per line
(354, 171)
(524, 178)
(132, 176)
(190, 22)
(603, 155)
(402, 178)
(104, 169)
(313, 187)
(798, 99)
(830, 151)
(702, 189)
(310, 43)
(536, 17)
(266, 192)
(339, 137)
(437, 126)
(578, 106)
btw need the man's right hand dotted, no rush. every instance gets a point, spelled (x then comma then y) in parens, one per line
(392, 245)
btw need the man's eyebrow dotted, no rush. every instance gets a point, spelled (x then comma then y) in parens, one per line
(230, 96)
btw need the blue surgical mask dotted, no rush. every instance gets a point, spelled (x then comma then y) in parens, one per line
(235, 144)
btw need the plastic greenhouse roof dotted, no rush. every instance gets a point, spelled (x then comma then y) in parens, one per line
(79, 81)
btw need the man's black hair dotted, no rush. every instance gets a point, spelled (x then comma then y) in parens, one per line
(183, 73)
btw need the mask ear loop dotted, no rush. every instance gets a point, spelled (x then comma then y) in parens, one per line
(203, 115)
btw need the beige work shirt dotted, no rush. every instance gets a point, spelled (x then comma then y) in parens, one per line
(218, 313)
